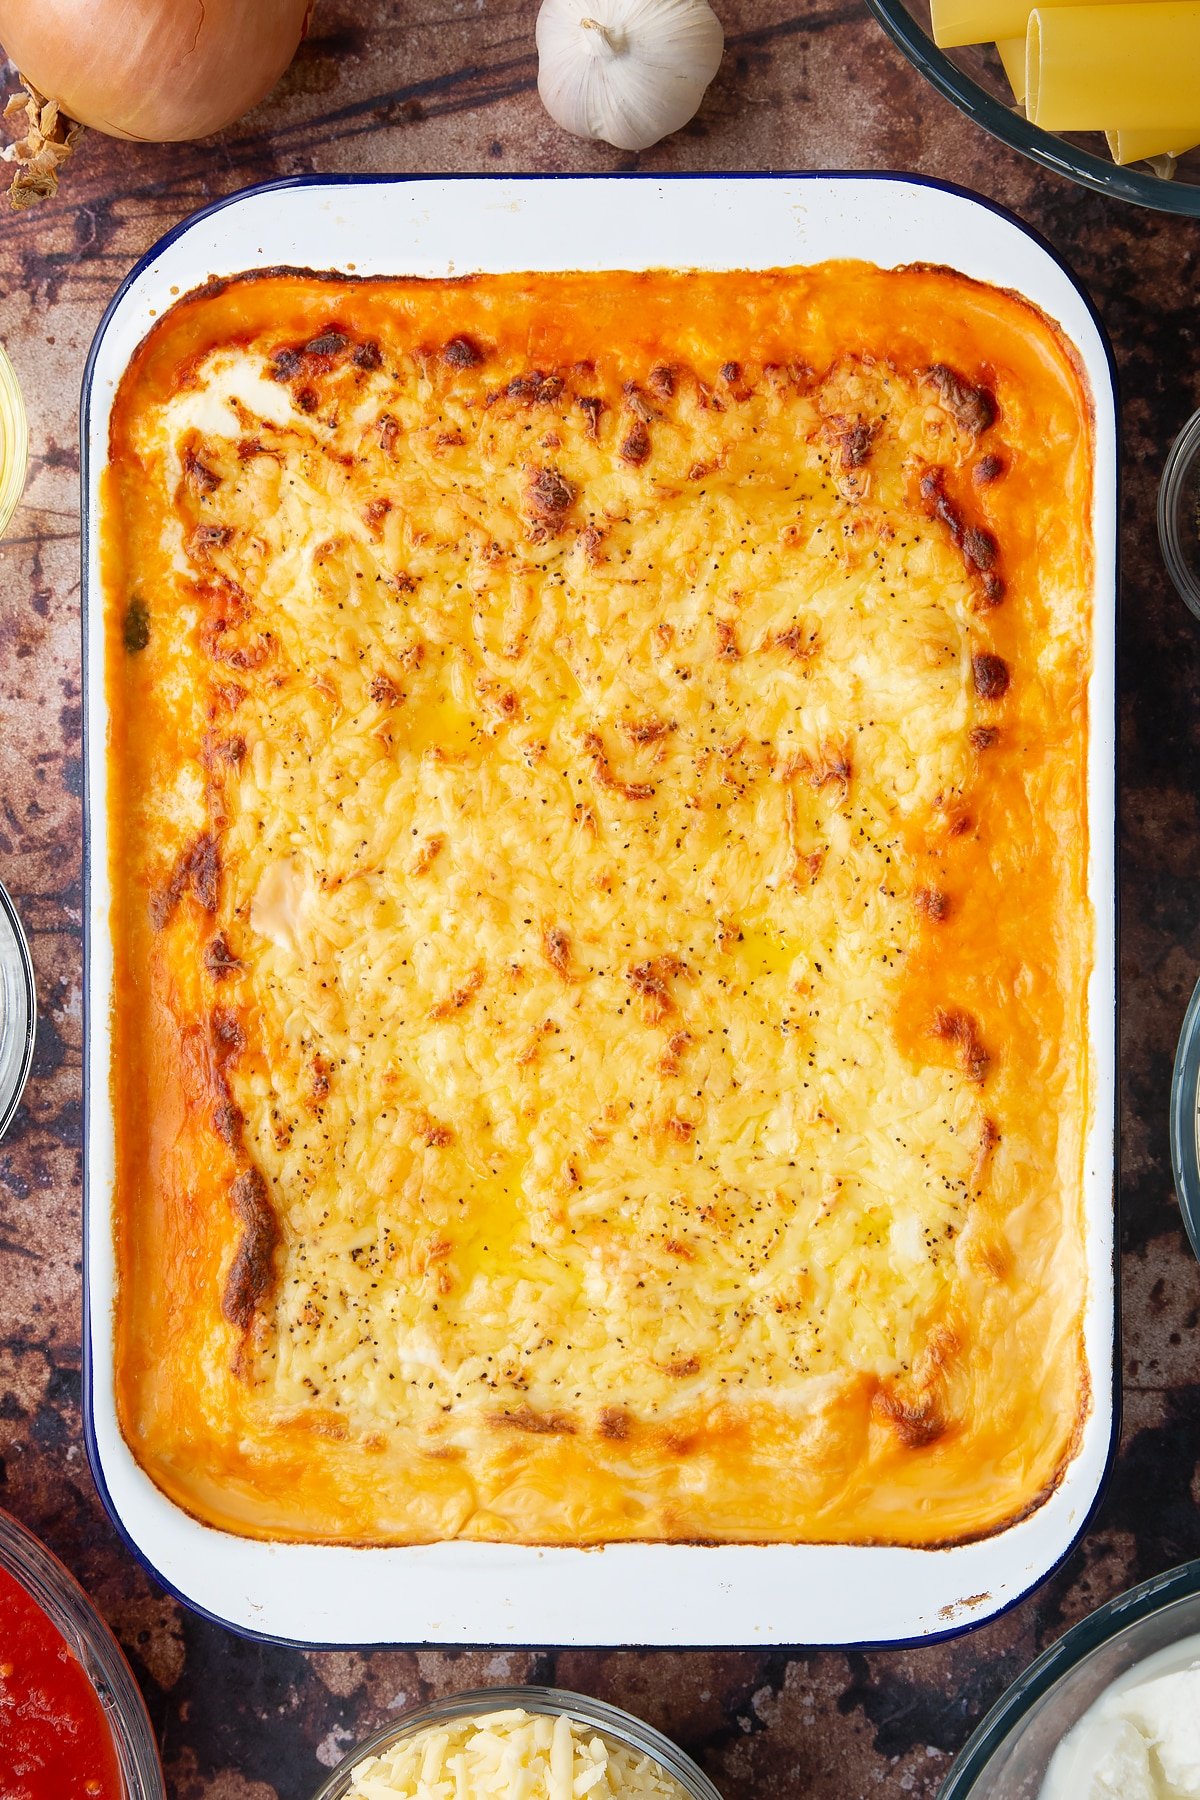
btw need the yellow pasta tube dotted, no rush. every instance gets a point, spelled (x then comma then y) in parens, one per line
(1096, 68)
(955, 22)
(1012, 55)
(1137, 146)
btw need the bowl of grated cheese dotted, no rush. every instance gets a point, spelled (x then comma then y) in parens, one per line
(522, 1743)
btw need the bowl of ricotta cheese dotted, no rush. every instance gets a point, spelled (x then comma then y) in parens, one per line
(1109, 1712)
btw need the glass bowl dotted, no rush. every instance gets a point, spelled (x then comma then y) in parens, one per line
(74, 1617)
(1185, 1119)
(14, 441)
(609, 1721)
(1008, 1755)
(18, 1010)
(1179, 513)
(973, 78)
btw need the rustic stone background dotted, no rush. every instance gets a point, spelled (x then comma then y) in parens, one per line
(449, 85)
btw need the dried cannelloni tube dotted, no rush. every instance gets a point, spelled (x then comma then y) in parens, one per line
(957, 22)
(1139, 146)
(1088, 60)
(1012, 55)
(1132, 66)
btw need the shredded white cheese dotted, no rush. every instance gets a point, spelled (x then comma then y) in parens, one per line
(512, 1755)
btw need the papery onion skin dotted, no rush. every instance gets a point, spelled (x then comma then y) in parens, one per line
(161, 71)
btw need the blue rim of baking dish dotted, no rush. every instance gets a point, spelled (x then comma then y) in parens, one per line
(1010, 127)
(332, 181)
(1099, 1627)
(1185, 1123)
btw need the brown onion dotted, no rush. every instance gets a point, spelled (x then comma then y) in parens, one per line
(157, 70)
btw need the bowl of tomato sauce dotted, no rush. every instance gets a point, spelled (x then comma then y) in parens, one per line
(73, 1724)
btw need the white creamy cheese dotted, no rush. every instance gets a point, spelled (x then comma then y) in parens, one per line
(231, 398)
(1140, 1740)
(283, 904)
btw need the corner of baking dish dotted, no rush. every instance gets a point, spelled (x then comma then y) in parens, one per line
(472, 1593)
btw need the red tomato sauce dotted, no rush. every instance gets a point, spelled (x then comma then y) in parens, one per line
(55, 1743)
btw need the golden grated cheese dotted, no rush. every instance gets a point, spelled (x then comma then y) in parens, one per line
(636, 797)
(513, 1755)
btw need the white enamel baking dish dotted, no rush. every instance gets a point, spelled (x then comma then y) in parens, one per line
(460, 1593)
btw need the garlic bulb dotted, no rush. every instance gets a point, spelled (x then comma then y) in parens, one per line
(627, 71)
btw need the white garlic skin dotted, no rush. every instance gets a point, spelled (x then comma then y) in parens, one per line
(627, 71)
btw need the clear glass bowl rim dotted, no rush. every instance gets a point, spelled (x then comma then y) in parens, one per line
(1180, 459)
(1016, 131)
(12, 406)
(1185, 1147)
(70, 1611)
(10, 920)
(613, 1721)
(1109, 1621)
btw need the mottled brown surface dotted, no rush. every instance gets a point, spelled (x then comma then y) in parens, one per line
(381, 87)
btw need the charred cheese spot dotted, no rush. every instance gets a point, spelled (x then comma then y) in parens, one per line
(991, 675)
(428, 854)
(932, 902)
(437, 1135)
(549, 497)
(917, 1423)
(669, 1061)
(635, 445)
(637, 403)
(198, 871)
(615, 1423)
(978, 546)
(198, 476)
(458, 997)
(959, 1028)
(727, 644)
(973, 406)
(556, 947)
(524, 1418)
(591, 406)
(219, 959)
(252, 1273)
(462, 353)
(375, 512)
(593, 744)
(653, 980)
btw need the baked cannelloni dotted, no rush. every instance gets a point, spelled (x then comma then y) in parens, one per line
(597, 786)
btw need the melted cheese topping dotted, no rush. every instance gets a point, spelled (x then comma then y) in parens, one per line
(599, 820)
